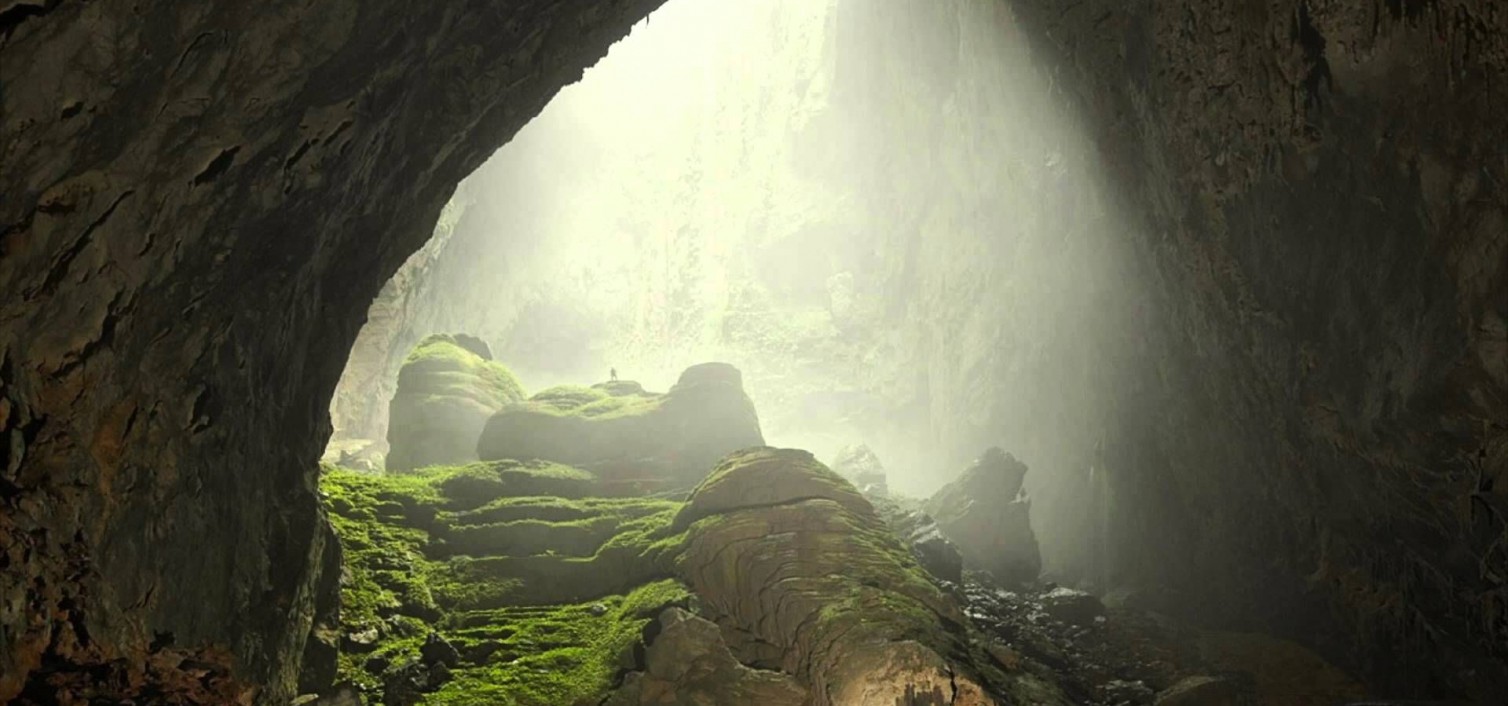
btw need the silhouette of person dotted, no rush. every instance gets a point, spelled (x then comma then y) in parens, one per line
(612, 374)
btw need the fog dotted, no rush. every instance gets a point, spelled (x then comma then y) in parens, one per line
(882, 212)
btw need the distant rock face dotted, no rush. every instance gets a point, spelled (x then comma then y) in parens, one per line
(987, 516)
(861, 466)
(623, 433)
(447, 389)
(803, 576)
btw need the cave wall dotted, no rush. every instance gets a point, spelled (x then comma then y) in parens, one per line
(1317, 441)
(201, 201)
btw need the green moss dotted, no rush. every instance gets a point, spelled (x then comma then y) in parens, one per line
(557, 656)
(450, 371)
(641, 549)
(592, 403)
(528, 627)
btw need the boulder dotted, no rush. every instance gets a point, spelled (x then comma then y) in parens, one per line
(803, 576)
(863, 468)
(687, 664)
(935, 552)
(986, 514)
(1072, 607)
(447, 389)
(627, 435)
(437, 650)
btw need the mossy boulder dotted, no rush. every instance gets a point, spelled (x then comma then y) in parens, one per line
(627, 435)
(447, 388)
(986, 514)
(803, 576)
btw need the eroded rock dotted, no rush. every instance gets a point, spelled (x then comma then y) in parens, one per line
(688, 664)
(984, 512)
(786, 554)
(627, 435)
(447, 389)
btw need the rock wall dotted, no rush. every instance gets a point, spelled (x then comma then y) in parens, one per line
(201, 201)
(1319, 441)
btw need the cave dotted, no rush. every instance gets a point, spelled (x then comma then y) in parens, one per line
(1267, 290)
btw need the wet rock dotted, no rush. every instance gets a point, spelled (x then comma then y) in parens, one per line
(626, 435)
(1119, 692)
(446, 393)
(1200, 691)
(862, 467)
(437, 650)
(985, 513)
(1072, 607)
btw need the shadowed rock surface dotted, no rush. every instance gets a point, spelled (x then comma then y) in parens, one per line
(448, 388)
(623, 433)
(984, 513)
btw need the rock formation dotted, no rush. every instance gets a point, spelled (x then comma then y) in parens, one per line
(624, 434)
(802, 576)
(520, 583)
(863, 468)
(448, 388)
(985, 513)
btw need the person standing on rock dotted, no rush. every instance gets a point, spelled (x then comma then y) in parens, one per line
(612, 374)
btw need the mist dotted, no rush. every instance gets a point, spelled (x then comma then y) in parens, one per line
(883, 213)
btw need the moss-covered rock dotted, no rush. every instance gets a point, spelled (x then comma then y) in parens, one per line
(447, 388)
(541, 596)
(803, 576)
(627, 435)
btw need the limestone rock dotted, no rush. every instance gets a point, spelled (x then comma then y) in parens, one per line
(935, 552)
(446, 391)
(862, 467)
(688, 664)
(984, 513)
(795, 566)
(625, 434)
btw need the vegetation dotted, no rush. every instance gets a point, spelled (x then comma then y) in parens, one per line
(600, 402)
(542, 620)
(449, 370)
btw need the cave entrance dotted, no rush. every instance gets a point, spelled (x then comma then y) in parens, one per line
(883, 216)
(875, 222)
